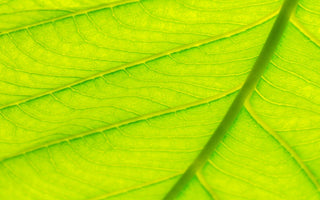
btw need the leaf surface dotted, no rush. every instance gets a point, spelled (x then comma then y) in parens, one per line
(115, 99)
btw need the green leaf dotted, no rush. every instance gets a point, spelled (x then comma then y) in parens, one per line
(117, 99)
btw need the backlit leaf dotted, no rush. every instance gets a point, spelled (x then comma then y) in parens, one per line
(116, 99)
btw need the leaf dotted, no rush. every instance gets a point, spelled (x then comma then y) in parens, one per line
(116, 99)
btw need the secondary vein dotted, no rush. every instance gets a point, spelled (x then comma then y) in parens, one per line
(143, 60)
(80, 12)
(305, 31)
(253, 78)
(285, 145)
(121, 123)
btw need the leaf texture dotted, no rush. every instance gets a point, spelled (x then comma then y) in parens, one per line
(115, 99)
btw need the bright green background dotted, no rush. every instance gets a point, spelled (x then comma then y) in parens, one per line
(114, 100)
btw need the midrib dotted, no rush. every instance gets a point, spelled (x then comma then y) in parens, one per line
(253, 78)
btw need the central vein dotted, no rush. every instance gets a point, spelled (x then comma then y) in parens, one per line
(257, 70)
